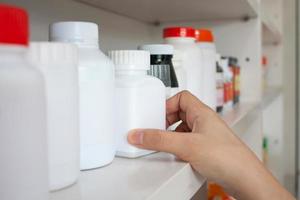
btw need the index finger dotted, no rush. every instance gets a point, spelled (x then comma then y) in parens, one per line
(184, 104)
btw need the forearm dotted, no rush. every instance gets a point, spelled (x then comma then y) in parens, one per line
(255, 182)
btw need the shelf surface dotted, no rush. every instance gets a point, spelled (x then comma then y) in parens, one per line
(156, 11)
(270, 95)
(157, 176)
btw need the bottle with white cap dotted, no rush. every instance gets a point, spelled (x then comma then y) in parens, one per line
(23, 145)
(58, 64)
(161, 65)
(140, 98)
(96, 93)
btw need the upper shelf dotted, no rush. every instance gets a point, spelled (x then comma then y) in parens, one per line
(271, 33)
(156, 11)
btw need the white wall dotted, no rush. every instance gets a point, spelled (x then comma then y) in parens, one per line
(116, 32)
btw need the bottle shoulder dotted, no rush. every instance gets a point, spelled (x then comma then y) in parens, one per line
(20, 72)
(93, 57)
(139, 81)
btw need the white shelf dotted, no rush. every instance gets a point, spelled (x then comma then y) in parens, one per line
(271, 33)
(153, 11)
(270, 95)
(157, 176)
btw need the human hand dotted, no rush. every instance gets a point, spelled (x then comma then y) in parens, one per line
(212, 149)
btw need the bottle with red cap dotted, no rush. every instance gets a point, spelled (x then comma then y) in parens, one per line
(23, 146)
(183, 40)
(205, 42)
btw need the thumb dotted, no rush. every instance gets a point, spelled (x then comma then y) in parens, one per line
(159, 140)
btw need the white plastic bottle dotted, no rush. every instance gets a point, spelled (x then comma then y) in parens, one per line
(96, 92)
(205, 41)
(183, 39)
(23, 147)
(140, 99)
(58, 64)
(180, 72)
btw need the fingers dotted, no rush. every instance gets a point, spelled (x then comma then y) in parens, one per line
(186, 107)
(158, 140)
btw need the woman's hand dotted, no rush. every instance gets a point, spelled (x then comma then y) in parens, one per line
(212, 149)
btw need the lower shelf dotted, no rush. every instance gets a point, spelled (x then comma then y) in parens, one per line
(157, 176)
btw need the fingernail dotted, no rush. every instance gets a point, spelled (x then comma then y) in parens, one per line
(135, 137)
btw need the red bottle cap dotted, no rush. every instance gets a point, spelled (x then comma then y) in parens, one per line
(179, 32)
(204, 35)
(13, 25)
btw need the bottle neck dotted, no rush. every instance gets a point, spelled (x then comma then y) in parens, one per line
(180, 40)
(12, 53)
(122, 73)
(93, 44)
(161, 59)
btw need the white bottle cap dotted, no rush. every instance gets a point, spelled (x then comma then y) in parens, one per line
(130, 59)
(52, 53)
(80, 32)
(158, 49)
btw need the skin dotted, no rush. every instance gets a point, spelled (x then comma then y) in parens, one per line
(205, 141)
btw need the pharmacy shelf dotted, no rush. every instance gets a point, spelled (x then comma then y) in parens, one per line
(270, 95)
(271, 33)
(161, 11)
(157, 176)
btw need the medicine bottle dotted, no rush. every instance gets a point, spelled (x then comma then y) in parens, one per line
(58, 64)
(183, 40)
(23, 145)
(140, 98)
(205, 42)
(161, 65)
(219, 85)
(96, 93)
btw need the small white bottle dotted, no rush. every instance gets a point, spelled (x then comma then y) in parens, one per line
(58, 64)
(205, 42)
(183, 39)
(140, 99)
(96, 93)
(23, 145)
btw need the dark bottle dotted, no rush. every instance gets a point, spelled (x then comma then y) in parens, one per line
(220, 87)
(161, 64)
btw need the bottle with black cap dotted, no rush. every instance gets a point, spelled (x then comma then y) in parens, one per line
(161, 65)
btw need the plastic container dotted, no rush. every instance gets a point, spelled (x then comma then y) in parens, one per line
(228, 84)
(140, 98)
(58, 64)
(205, 42)
(219, 85)
(236, 71)
(96, 93)
(161, 65)
(23, 147)
(183, 40)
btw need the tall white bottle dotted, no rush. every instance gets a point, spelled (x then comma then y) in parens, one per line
(205, 42)
(140, 98)
(58, 64)
(23, 147)
(183, 40)
(96, 92)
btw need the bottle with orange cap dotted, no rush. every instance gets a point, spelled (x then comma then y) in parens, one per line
(205, 42)
(183, 41)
